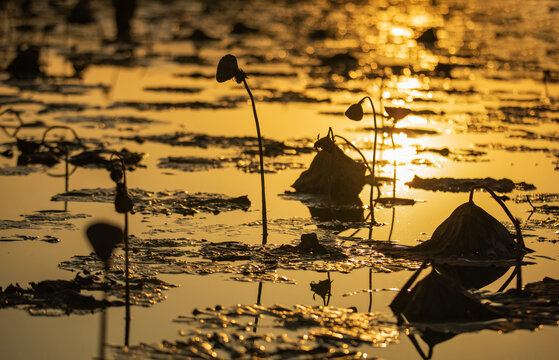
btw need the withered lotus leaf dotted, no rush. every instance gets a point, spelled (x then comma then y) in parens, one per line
(103, 238)
(472, 233)
(226, 68)
(397, 113)
(354, 112)
(332, 173)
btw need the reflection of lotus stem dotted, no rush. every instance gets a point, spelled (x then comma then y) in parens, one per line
(261, 153)
(126, 258)
(370, 289)
(76, 137)
(103, 331)
(21, 123)
(519, 240)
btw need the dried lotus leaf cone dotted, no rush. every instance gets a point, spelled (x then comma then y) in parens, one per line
(354, 112)
(227, 68)
(332, 173)
(472, 233)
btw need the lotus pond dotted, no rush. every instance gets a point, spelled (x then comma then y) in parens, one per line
(407, 262)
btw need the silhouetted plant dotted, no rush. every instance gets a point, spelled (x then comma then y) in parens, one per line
(333, 173)
(395, 114)
(63, 149)
(17, 128)
(228, 69)
(355, 113)
(103, 238)
(123, 205)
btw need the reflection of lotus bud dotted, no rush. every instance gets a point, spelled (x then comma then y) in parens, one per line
(123, 202)
(470, 232)
(354, 112)
(116, 175)
(103, 237)
(397, 113)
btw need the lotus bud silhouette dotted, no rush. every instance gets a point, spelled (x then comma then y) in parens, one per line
(354, 112)
(227, 69)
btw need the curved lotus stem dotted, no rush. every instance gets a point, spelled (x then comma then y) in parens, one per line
(520, 241)
(126, 257)
(21, 123)
(261, 155)
(76, 137)
(355, 112)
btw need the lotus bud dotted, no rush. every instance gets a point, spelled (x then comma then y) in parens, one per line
(354, 112)
(116, 175)
(227, 69)
(123, 202)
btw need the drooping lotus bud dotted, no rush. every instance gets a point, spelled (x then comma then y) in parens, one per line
(354, 112)
(116, 175)
(397, 113)
(470, 232)
(103, 238)
(227, 68)
(123, 202)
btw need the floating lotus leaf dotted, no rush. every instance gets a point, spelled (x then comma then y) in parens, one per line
(354, 112)
(104, 237)
(470, 232)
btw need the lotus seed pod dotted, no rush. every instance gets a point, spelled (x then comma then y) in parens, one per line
(354, 112)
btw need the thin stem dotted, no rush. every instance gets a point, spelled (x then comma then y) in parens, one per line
(126, 257)
(374, 160)
(520, 246)
(394, 151)
(127, 285)
(66, 173)
(258, 297)
(370, 289)
(103, 329)
(261, 153)
(358, 151)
